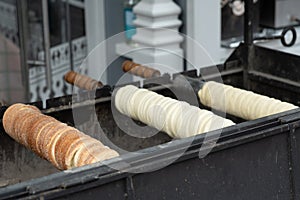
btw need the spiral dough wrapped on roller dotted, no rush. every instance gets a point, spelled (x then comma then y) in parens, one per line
(64, 146)
(178, 119)
(241, 103)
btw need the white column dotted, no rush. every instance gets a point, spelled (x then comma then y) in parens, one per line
(157, 35)
(204, 26)
(95, 32)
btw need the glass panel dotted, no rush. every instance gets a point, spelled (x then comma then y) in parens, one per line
(11, 86)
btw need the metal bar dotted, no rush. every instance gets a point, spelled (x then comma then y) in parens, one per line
(248, 39)
(69, 34)
(47, 43)
(291, 158)
(23, 37)
(36, 62)
(130, 188)
(274, 80)
(248, 22)
(76, 4)
(63, 33)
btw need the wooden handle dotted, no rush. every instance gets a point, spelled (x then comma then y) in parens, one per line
(140, 70)
(82, 81)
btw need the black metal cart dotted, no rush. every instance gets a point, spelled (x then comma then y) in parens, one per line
(257, 159)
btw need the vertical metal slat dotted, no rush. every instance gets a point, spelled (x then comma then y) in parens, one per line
(248, 39)
(69, 33)
(23, 37)
(47, 43)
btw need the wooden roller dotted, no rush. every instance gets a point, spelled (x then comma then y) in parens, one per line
(82, 81)
(64, 146)
(140, 70)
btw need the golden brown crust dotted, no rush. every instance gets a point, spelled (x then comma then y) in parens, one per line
(98, 154)
(50, 147)
(17, 119)
(148, 73)
(62, 146)
(9, 118)
(83, 149)
(90, 160)
(94, 145)
(13, 116)
(126, 66)
(134, 69)
(82, 81)
(70, 77)
(139, 70)
(74, 150)
(23, 128)
(104, 154)
(41, 140)
(47, 135)
(92, 155)
(36, 130)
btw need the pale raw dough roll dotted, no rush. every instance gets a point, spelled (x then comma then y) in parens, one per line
(241, 103)
(64, 146)
(178, 119)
